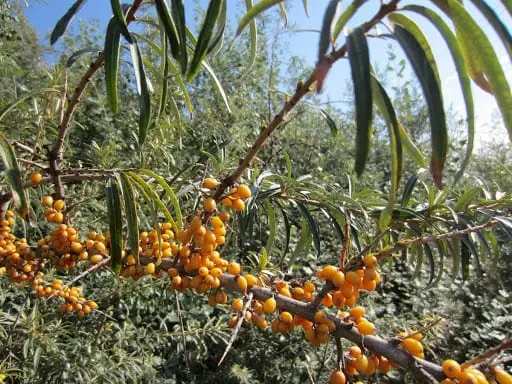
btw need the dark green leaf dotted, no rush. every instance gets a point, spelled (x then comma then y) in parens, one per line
(178, 11)
(253, 32)
(271, 216)
(115, 224)
(253, 12)
(76, 55)
(112, 48)
(359, 58)
(287, 230)
(142, 90)
(470, 245)
(467, 197)
(64, 21)
(205, 35)
(117, 10)
(412, 150)
(328, 119)
(336, 224)
(428, 252)
(13, 173)
(325, 32)
(176, 45)
(464, 80)
(130, 209)
(409, 187)
(164, 76)
(432, 91)
(313, 227)
(218, 38)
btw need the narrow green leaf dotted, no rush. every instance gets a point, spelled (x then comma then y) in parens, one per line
(304, 242)
(253, 33)
(112, 48)
(464, 79)
(271, 216)
(4, 111)
(412, 150)
(306, 7)
(337, 221)
(76, 55)
(218, 39)
(472, 32)
(467, 197)
(130, 209)
(345, 17)
(263, 259)
(496, 23)
(432, 91)
(142, 90)
(253, 12)
(164, 76)
(287, 231)
(170, 193)
(217, 84)
(384, 105)
(115, 224)
(117, 10)
(359, 58)
(428, 252)
(178, 11)
(141, 184)
(13, 173)
(284, 15)
(203, 41)
(167, 21)
(328, 119)
(313, 227)
(470, 245)
(409, 187)
(64, 21)
(326, 31)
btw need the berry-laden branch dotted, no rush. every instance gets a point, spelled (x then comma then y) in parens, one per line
(302, 90)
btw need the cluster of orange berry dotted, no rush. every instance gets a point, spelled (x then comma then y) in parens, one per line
(53, 212)
(63, 247)
(411, 342)
(457, 374)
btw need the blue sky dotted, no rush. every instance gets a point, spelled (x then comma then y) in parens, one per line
(44, 14)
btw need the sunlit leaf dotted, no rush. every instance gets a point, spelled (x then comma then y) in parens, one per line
(64, 21)
(253, 32)
(170, 28)
(115, 224)
(253, 12)
(178, 11)
(432, 91)
(345, 17)
(409, 187)
(464, 79)
(323, 65)
(306, 7)
(12, 170)
(117, 10)
(76, 55)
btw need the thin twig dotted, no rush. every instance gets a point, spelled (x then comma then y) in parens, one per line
(182, 328)
(346, 242)
(38, 165)
(340, 360)
(237, 327)
(507, 344)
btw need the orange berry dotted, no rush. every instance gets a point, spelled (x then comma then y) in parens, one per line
(357, 313)
(370, 273)
(234, 268)
(48, 201)
(36, 178)
(224, 216)
(328, 271)
(447, 381)
(227, 202)
(337, 377)
(365, 327)
(210, 205)
(353, 278)
(251, 280)
(150, 268)
(355, 351)
(217, 222)
(238, 205)
(338, 279)
(286, 317)
(320, 317)
(242, 283)
(467, 378)
(412, 346)
(244, 191)
(269, 305)
(361, 363)
(502, 376)
(59, 205)
(210, 183)
(95, 259)
(309, 286)
(370, 261)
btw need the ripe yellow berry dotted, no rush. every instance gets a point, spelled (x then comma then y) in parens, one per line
(203, 271)
(59, 205)
(269, 305)
(242, 283)
(366, 328)
(337, 377)
(361, 363)
(227, 202)
(412, 346)
(244, 192)
(58, 218)
(309, 287)
(502, 377)
(210, 183)
(95, 259)
(210, 205)
(328, 271)
(451, 368)
(357, 313)
(467, 378)
(238, 205)
(36, 177)
(150, 268)
(224, 216)
(355, 351)
(234, 268)
(48, 201)
(338, 279)
(286, 317)
(370, 261)
(353, 278)
(237, 305)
